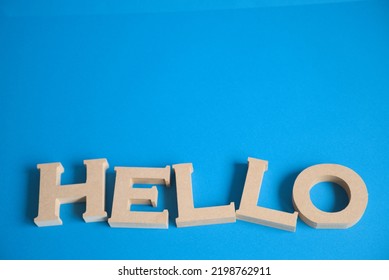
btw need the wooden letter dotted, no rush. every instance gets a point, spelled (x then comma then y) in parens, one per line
(344, 177)
(190, 216)
(250, 212)
(52, 194)
(125, 195)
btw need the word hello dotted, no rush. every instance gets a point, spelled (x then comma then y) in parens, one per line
(52, 195)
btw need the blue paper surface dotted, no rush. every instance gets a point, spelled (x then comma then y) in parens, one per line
(295, 85)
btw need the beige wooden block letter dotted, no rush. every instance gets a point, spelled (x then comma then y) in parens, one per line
(350, 181)
(52, 194)
(190, 216)
(250, 212)
(125, 196)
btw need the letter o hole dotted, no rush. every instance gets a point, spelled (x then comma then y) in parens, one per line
(350, 181)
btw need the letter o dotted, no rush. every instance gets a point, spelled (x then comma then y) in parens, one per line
(350, 181)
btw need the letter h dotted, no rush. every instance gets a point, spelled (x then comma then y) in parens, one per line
(52, 194)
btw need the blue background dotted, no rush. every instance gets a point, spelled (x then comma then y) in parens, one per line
(213, 84)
